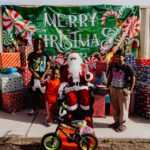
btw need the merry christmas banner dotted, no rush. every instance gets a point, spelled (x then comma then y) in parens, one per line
(87, 29)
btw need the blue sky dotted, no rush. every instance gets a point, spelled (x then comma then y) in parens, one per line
(75, 2)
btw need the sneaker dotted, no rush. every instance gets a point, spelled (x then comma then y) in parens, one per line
(48, 123)
(31, 112)
(121, 128)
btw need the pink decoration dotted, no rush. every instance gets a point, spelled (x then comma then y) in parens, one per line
(91, 61)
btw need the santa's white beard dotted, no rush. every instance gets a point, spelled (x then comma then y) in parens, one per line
(75, 70)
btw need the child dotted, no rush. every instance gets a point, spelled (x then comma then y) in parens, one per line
(121, 80)
(51, 94)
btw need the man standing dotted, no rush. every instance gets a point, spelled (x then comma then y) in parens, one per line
(121, 81)
(74, 78)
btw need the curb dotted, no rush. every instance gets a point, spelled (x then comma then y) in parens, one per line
(30, 141)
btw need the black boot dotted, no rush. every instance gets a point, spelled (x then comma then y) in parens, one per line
(86, 113)
(78, 114)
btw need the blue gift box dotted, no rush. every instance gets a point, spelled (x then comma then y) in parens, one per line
(10, 82)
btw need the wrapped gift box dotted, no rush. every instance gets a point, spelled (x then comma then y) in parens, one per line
(99, 106)
(142, 99)
(142, 62)
(24, 55)
(10, 82)
(12, 101)
(10, 60)
(129, 59)
(142, 73)
(101, 66)
(26, 76)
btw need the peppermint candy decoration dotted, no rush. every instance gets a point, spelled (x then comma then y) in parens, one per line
(7, 38)
(131, 27)
(91, 61)
(28, 31)
(60, 61)
(12, 20)
(108, 13)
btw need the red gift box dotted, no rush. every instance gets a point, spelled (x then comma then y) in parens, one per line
(142, 62)
(10, 60)
(101, 66)
(99, 106)
(26, 76)
(12, 101)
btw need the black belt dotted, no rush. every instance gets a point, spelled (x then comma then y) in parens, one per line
(77, 84)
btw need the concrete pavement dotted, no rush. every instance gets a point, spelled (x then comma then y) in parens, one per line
(21, 125)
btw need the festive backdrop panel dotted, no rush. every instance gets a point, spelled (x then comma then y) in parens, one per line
(85, 29)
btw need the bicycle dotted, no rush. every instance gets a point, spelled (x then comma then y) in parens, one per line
(52, 141)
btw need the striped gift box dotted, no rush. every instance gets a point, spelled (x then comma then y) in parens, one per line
(10, 60)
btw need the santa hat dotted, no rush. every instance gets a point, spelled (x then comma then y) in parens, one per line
(74, 55)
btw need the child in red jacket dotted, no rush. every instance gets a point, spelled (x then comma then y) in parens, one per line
(51, 94)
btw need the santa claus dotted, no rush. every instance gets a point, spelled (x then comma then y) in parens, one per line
(74, 82)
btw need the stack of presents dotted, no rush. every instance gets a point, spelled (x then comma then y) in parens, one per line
(140, 97)
(102, 101)
(13, 86)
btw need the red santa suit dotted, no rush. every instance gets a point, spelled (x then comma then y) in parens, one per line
(76, 84)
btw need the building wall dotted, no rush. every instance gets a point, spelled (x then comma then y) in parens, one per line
(75, 2)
